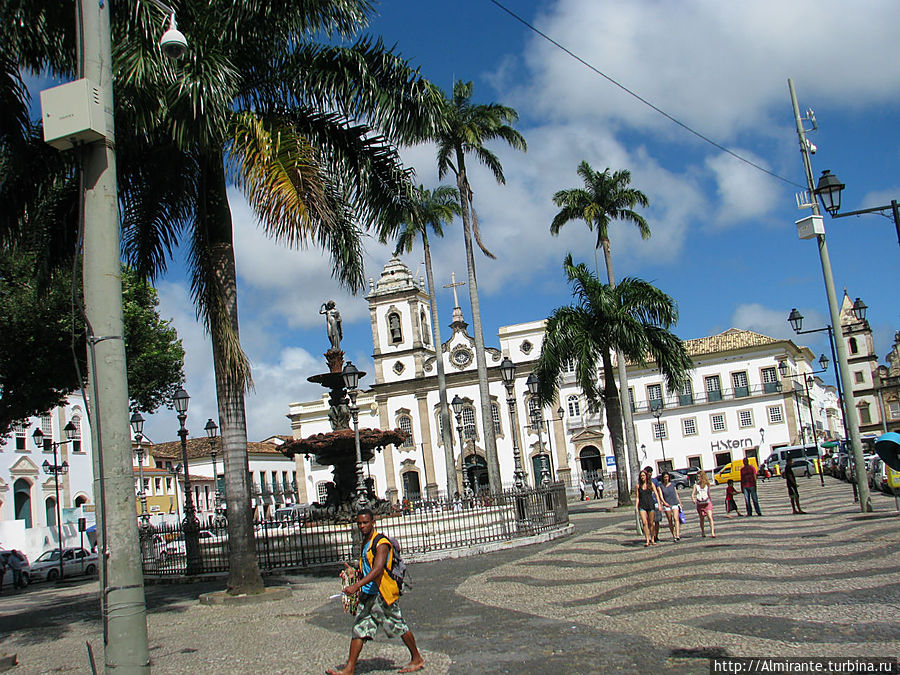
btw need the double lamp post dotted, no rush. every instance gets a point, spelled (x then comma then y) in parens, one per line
(56, 469)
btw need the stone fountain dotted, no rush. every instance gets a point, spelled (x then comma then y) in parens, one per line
(337, 448)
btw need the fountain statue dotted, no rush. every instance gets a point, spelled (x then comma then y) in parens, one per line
(337, 448)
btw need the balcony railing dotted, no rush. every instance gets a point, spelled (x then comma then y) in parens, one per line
(673, 400)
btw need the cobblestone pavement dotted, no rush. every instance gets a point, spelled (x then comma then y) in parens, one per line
(824, 584)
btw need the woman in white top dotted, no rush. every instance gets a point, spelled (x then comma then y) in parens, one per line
(703, 502)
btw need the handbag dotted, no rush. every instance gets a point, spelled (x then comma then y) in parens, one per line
(682, 517)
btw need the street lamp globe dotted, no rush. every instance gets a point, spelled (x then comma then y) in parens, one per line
(783, 368)
(457, 405)
(38, 437)
(351, 376)
(859, 309)
(507, 370)
(70, 430)
(532, 384)
(795, 318)
(211, 428)
(181, 401)
(829, 190)
(823, 362)
(137, 424)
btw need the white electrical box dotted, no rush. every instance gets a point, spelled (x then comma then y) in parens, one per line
(72, 114)
(810, 227)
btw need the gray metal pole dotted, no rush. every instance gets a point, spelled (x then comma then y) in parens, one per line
(122, 597)
(865, 500)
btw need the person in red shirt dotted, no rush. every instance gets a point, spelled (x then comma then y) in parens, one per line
(748, 486)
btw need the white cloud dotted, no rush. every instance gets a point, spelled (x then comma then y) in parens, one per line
(745, 193)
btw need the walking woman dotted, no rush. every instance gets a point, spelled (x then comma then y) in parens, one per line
(700, 497)
(646, 506)
(672, 505)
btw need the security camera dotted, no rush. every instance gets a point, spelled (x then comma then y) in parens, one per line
(173, 43)
(811, 147)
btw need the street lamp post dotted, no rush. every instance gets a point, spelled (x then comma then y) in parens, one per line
(137, 426)
(190, 524)
(829, 190)
(212, 430)
(813, 226)
(508, 374)
(532, 383)
(55, 470)
(823, 361)
(457, 405)
(657, 413)
(351, 376)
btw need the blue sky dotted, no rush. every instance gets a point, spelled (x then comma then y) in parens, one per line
(723, 240)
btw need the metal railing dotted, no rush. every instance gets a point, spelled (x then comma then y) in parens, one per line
(681, 400)
(421, 527)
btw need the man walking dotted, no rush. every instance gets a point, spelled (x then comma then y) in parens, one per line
(748, 486)
(378, 601)
(791, 481)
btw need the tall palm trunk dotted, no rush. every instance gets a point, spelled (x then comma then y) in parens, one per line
(243, 575)
(444, 409)
(627, 418)
(487, 420)
(613, 420)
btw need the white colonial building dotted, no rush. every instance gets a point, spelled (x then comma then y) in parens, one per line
(737, 401)
(28, 493)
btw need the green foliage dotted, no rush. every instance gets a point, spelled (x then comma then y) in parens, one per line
(634, 316)
(40, 342)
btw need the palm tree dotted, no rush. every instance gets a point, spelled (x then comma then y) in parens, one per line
(434, 209)
(604, 198)
(308, 130)
(633, 318)
(465, 129)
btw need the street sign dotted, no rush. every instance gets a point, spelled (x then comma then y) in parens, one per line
(610, 461)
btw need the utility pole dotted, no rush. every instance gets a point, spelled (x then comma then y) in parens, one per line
(865, 501)
(122, 594)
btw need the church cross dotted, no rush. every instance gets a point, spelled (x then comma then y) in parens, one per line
(454, 284)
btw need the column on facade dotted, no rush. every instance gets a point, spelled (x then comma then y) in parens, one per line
(563, 470)
(431, 486)
(303, 496)
(387, 453)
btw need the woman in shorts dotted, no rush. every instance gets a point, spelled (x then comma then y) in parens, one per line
(646, 506)
(671, 503)
(703, 502)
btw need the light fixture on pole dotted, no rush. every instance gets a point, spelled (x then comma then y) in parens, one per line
(56, 469)
(212, 429)
(508, 374)
(137, 427)
(807, 379)
(533, 385)
(351, 375)
(190, 524)
(458, 404)
(829, 190)
(657, 413)
(813, 227)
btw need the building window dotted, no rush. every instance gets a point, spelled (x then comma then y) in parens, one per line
(534, 411)
(47, 426)
(865, 417)
(854, 348)
(654, 396)
(157, 486)
(660, 430)
(745, 418)
(686, 395)
(689, 426)
(574, 406)
(168, 485)
(713, 388)
(770, 380)
(859, 377)
(569, 366)
(776, 415)
(405, 424)
(396, 334)
(20, 437)
(468, 420)
(894, 409)
(717, 422)
(495, 417)
(631, 398)
(322, 491)
(739, 380)
(426, 332)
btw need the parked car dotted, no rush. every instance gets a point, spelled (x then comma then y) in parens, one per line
(803, 467)
(8, 576)
(75, 561)
(679, 480)
(209, 542)
(691, 472)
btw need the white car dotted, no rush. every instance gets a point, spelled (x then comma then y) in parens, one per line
(75, 561)
(9, 575)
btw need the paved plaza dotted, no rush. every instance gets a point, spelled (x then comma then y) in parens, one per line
(823, 584)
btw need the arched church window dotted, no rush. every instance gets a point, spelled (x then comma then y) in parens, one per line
(405, 424)
(426, 332)
(574, 406)
(468, 420)
(854, 348)
(394, 327)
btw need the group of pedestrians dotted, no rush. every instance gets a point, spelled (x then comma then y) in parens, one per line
(653, 498)
(596, 483)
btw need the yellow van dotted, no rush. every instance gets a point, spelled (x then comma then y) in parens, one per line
(732, 471)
